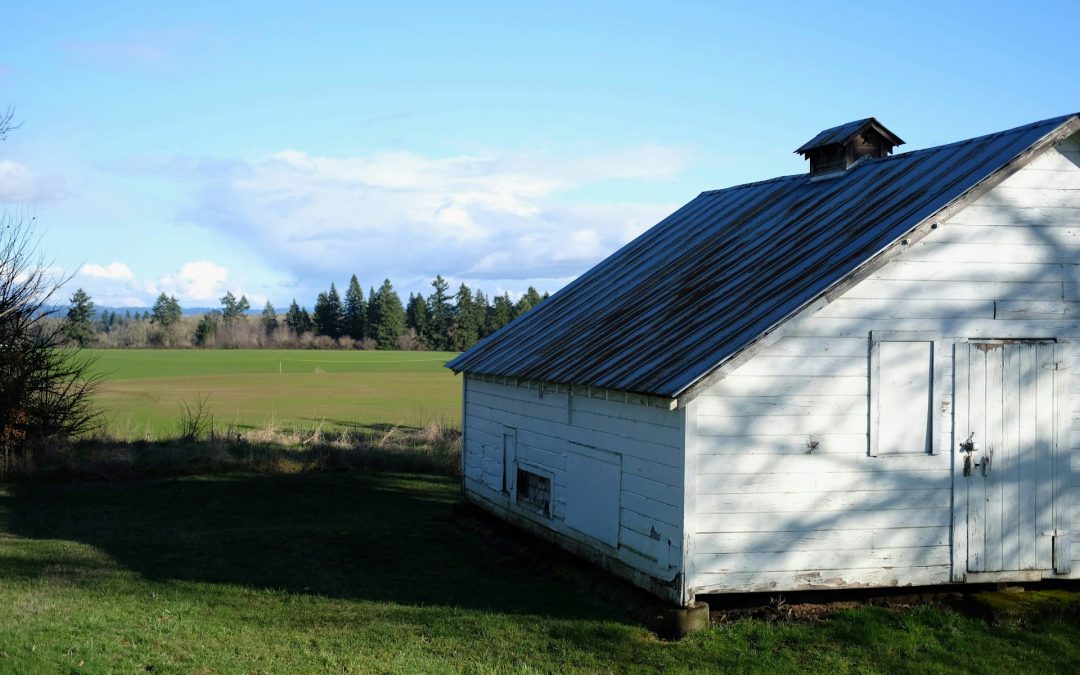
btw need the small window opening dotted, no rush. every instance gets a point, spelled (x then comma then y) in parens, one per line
(534, 491)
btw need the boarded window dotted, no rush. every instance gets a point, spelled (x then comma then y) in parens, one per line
(534, 491)
(593, 483)
(901, 397)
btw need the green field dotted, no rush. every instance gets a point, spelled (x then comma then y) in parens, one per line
(341, 572)
(142, 389)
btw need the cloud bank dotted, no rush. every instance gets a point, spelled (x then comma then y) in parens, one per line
(505, 217)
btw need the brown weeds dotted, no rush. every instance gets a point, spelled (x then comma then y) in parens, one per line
(272, 448)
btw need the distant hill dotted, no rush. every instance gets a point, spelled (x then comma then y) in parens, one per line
(188, 311)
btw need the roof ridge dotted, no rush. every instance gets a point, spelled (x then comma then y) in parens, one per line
(910, 153)
(774, 179)
(1056, 121)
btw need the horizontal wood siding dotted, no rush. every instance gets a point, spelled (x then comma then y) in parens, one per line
(548, 426)
(786, 494)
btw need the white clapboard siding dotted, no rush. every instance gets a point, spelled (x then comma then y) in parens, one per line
(968, 328)
(781, 425)
(816, 578)
(820, 540)
(758, 406)
(930, 250)
(756, 483)
(793, 346)
(791, 444)
(1006, 217)
(770, 512)
(788, 502)
(1008, 272)
(737, 384)
(821, 520)
(884, 289)
(908, 308)
(647, 440)
(1034, 196)
(1064, 234)
(782, 561)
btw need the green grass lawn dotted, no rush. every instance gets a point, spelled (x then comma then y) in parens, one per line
(368, 573)
(246, 388)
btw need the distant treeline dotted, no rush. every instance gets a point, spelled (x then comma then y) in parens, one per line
(442, 321)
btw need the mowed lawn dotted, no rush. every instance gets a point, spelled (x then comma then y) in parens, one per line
(370, 573)
(143, 389)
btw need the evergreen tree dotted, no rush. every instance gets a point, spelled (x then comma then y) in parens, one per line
(79, 325)
(500, 313)
(293, 318)
(466, 324)
(166, 311)
(529, 299)
(232, 309)
(207, 328)
(329, 315)
(440, 316)
(416, 317)
(390, 317)
(372, 313)
(480, 307)
(355, 311)
(306, 324)
(269, 318)
(319, 313)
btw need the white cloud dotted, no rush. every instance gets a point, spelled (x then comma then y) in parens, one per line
(116, 271)
(499, 216)
(21, 185)
(201, 282)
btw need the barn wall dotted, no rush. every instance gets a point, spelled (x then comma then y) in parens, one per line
(638, 444)
(771, 515)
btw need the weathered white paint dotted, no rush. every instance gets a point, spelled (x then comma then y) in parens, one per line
(788, 493)
(616, 462)
(767, 480)
(1007, 401)
(901, 396)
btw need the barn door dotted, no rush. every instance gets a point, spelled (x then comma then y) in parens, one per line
(1011, 412)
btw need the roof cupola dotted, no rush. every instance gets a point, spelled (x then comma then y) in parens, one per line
(835, 150)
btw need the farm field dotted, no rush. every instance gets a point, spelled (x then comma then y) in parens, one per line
(142, 389)
(369, 573)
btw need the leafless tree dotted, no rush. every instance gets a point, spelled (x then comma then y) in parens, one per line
(45, 388)
(7, 122)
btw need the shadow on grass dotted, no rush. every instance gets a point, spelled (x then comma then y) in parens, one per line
(379, 537)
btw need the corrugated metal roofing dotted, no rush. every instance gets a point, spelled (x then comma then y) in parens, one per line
(713, 277)
(844, 132)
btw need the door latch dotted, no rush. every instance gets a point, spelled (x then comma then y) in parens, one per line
(967, 447)
(987, 460)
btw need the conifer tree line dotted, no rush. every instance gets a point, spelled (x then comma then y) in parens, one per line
(441, 321)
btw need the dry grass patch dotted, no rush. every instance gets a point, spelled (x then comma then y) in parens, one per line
(199, 449)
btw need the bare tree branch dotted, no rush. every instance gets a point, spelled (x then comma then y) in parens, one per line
(7, 122)
(45, 388)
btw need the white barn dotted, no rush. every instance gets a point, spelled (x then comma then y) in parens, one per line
(853, 378)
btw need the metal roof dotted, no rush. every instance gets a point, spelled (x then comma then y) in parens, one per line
(724, 270)
(843, 132)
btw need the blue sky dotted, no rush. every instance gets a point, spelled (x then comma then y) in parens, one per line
(271, 149)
